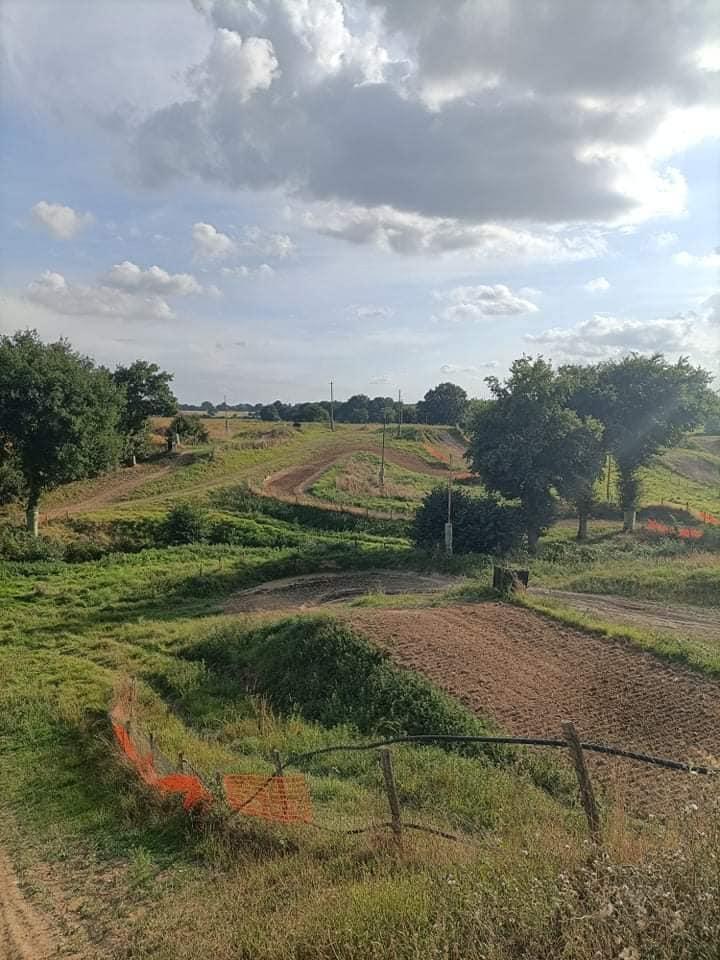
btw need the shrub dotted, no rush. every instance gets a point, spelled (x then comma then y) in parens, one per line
(20, 546)
(84, 550)
(189, 428)
(480, 524)
(185, 523)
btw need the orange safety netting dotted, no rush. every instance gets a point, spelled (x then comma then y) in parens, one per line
(285, 799)
(685, 533)
(193, 792)
(191, 787)
(709, 518)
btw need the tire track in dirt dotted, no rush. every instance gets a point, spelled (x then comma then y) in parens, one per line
(531, 674)
(295, 480)
(676, 620)
(23, 933)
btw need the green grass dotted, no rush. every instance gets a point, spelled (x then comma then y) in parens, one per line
(355, 482)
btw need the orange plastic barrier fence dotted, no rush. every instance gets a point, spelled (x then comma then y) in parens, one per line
(685, 533)
(285, 799)
(709, 518)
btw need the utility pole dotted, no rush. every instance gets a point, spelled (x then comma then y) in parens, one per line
(448, 525)
(332, 406)
(227, 427)
(400, 413)
(382, 458)
(607, 470)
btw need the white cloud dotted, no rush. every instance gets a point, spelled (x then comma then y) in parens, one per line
(243, 272)
(129, 276)
(708, 260)
(598, 285)
(210, 243)
(604, 336)
(473, 371)
(411, 233)
(60, 221)
(278, 245)
(52, 290)
(480, 302)
(540, 113)
(384, 379)
(664, 240)
(235, 68)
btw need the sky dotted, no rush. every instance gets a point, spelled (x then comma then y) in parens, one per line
(265, 195)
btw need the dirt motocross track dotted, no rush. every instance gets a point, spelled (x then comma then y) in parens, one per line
(531, 674)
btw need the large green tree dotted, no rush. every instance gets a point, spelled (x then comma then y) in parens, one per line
(645, 403)
(444, 403)
(59, 415)
(146, 391)
(526, 444)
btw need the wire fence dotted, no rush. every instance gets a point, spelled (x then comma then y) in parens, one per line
(283, 797)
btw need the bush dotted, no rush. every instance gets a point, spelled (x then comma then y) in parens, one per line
(189, 428)
(20, 546)
(480, 524)
(185, 523)
(84, 550)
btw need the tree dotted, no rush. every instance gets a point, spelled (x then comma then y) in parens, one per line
(445, 403)
(354, 410)
(59, 415)
(269, 412)
(644, 404)
(210, 408)
(189, 427)
(147, 393)
(481, 524)
(526, 443)
(313, 413)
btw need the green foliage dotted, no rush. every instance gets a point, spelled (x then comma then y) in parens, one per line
(313, 413)
(59, 414)
(322, 669)
(480, 524)
(445, 403)
(269, 412)
(189, 427)
(146, 392)
(644, 404)
(185, 523)
(22, 546)
(526, 443)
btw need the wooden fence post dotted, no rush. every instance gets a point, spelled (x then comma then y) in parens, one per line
(282, 793)
(391, 790)
(587, 796)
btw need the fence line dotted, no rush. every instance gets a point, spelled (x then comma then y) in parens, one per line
(286, 799)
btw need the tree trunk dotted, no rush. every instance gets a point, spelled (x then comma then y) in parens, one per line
(133, 461)
(629, 518)
(532, 537)
(582, 533)
(32, 514)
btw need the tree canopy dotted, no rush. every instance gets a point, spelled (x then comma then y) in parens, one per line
(146, 391)
(526, 443)
(445, 403)
(59, 415)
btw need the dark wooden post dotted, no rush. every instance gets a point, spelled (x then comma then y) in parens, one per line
(587, 796)
(282, 793)
(391, 790)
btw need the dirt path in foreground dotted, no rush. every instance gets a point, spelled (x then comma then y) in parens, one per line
(24, 935)
(532, 674)
(676, 620)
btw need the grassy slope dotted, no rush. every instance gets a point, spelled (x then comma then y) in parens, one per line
(513, 884)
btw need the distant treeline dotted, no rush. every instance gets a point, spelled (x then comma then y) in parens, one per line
(446, 403)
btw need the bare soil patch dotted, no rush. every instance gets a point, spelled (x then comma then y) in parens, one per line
(296, 480)
(675, 620)
(24, 935)
(313, 590)
(531, 675)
